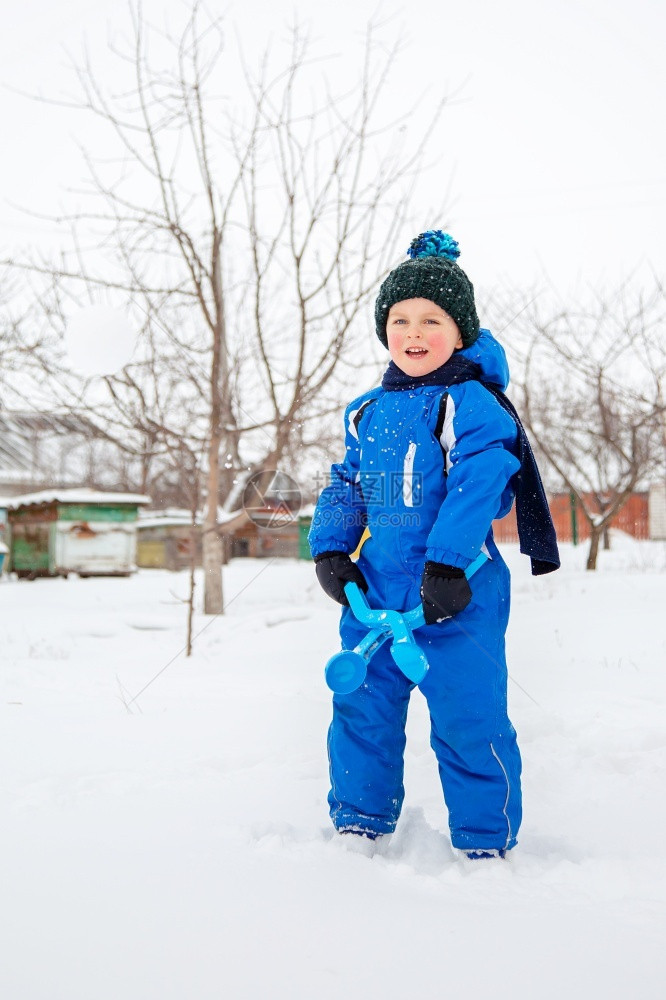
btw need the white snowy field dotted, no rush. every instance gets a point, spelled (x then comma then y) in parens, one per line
(180, 849)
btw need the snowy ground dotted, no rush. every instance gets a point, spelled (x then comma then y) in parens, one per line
(179, 849)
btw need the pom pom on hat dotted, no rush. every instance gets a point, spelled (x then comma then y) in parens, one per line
(432, 272)
(434, 243)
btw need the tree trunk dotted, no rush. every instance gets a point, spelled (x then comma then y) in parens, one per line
(212, 566)
(607, 541)
(212, 545)
(595, 538)
(219, 422)
(190, 600)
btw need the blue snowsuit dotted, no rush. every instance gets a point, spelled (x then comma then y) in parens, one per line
(427, 469)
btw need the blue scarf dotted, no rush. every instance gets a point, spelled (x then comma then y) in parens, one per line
(535, 524)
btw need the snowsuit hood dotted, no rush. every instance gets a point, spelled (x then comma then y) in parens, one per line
(489, 354)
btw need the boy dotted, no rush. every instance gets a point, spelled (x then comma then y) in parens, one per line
(433, 456)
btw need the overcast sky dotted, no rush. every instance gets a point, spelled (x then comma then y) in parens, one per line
(552, 149)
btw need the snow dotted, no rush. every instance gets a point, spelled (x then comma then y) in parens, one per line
(225, 516)
(171, 517)
(178, 846)
(77, 496)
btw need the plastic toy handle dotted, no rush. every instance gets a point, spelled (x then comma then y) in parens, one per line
(361, 609)
(414, 618)
(346, 670)
(367, 616)
(476, 564)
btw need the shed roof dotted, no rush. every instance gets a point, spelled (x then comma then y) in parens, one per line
(78, 496)
(166, 521)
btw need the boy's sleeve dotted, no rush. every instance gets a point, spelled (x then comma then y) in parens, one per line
(479, 439)
(340, 515)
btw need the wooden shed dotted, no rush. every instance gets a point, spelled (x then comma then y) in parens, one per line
(82, 531)
(243, 536)
(164, 540)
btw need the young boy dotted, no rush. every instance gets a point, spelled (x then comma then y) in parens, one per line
(433, 456)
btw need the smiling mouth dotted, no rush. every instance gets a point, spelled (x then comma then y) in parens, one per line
(416, 352)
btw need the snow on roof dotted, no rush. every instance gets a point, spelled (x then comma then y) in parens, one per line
(171, 517)
(165, 522)
(167, 512)
(179, 516)
(166, 515)
(223, 516)
(79, 496)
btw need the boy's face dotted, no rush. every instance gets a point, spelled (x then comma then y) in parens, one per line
(421, 336)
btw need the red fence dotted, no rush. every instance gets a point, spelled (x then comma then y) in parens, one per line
(632, 519)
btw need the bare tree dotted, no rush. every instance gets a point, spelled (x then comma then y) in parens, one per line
(249, 235)
(591, 388)
(28, 347)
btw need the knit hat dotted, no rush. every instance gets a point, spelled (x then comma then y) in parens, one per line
(431, 273)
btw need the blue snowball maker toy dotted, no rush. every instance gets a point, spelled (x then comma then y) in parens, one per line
(346, 671)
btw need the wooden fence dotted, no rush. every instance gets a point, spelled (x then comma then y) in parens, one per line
(632, 519)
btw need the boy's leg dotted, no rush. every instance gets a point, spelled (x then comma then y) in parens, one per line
(473, 739)
(366, 742)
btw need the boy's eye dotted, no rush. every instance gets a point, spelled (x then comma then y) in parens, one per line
(398, 319)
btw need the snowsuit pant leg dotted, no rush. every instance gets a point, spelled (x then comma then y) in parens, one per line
(473, 739)
(366, 743)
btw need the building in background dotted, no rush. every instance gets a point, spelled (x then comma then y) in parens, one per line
(249, 536)
(166, 539)
(57, 532)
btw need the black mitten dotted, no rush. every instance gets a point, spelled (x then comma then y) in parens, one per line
(444, 591)
(334, 570)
